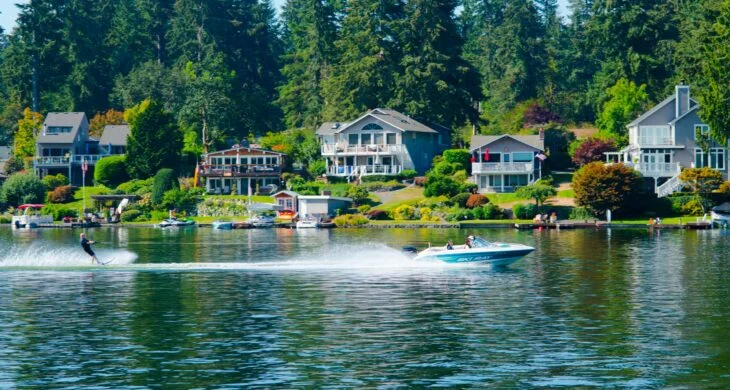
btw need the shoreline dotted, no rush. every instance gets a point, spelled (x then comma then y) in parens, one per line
(567, 225)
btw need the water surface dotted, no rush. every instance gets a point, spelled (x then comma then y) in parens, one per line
(340, 308)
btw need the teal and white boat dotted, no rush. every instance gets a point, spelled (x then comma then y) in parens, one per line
(497, 254)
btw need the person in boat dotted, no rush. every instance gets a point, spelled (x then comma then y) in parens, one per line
(86, 246)
(469, 241)
(449, 245)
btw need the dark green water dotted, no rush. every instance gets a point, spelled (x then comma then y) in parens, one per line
(281, 308)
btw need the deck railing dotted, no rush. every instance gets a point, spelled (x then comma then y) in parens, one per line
(518, 167)
(364, 170)
(330, 149)
(240, 170)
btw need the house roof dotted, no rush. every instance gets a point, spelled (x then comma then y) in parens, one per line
(61, 119)
(238, 150)
(4, 153)
(285, 192)
(693, 104)
(115, 135)
(691, 110)
(394, 118)
(534, 141)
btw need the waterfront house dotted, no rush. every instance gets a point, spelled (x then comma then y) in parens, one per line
(662, 141)
(501, 163)
(242, 167)
(114, 139)
(64, 146)
(380, 142)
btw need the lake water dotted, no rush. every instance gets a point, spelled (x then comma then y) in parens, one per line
(340, 308)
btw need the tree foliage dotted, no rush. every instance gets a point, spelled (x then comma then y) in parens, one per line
(702, 182)
(111, 171)
(28, 128)
(592, 149)
(154, 141)
(626, 101)
(164, 181)
(599, 187)
(537, 191)
(101, 120)
(22, 188)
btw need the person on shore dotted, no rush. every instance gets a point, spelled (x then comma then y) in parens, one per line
(86, 246)
(449, 246)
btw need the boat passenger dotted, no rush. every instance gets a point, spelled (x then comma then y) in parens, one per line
(468, 242)
(449, 245)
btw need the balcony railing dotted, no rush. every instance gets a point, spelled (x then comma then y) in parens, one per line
(511, 167)
(656, 141)
(364, 170)
(90, 159)
(656, 169)
(330, 149)
(242, 170)
(52, 160)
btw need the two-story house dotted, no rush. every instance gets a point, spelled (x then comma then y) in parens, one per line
(662, 141)
(501, 163)
(64, 146)
(243, 167)
(380, 142)
(114, 139)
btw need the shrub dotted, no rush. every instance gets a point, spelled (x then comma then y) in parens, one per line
(22, 188)
(460, 157)
(437, 201)
(579, 213)
(372, 178)
(600, 187)
(164, 181)
(363, 209)
(460, 200)
(702, 181)
(308, 188)
(6, 218)
(13, 165)
(404, 212)
(445, 168)
(524, 211)
(58, 212)
(139, 187)
(488, 211)
(358, 194)
(54, 181)
(182, 200)
(158, 215)
(469, 188)
(63, 194)
(425, 213)
(130, 215)
(383, 186)
(419, 181)
(724, 188)
(378, 215)
(459, 214)
(111, 171)
(538, 191)
(438, 184)
(317, 168)
(407, 174)
(476, 200)
(350, 220)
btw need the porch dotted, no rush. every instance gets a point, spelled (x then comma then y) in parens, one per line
(491, 183)
(502, 167)
(363, 170)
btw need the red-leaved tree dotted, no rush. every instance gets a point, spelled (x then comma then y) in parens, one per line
(592, 149)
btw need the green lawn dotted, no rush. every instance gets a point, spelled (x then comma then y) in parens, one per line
(507, 197)
(566, 194)
(87, 192)
(408, 196)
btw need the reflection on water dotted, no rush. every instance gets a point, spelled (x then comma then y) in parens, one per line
(341, 308)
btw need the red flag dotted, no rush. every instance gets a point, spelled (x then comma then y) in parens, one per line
(84, 167)
(486, 154)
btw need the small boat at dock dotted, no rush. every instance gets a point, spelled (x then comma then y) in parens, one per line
(222, 225)
(497, 254)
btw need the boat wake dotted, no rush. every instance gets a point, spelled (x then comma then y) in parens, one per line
(339, 257)
(40, 255)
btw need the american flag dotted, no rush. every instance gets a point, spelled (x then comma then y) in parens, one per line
(541, 156)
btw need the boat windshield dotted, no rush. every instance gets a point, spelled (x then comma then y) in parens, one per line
(479, 242)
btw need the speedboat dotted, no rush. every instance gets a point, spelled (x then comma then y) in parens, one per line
(497, 254)
(176, 223)
(721, 214)
(261, 221)
(222, 225)
(307, 223)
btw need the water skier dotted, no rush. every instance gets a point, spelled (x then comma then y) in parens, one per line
(86, 245)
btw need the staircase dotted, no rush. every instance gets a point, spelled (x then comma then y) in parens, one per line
(669, 187)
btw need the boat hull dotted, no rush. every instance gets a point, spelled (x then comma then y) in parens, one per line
(223, 225)
(498, 258)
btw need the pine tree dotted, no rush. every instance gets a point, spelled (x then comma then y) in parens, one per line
(437, 84)
(369, 54)
(309, 38)
(154, 141)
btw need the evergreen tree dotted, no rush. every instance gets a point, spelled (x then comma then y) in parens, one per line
(309, 38)
(156, 16)
(369, 54)
(437, 84)
(154, 141)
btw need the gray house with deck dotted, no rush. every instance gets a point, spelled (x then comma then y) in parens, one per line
(64, 145)
(501, 163)
(380, 142)
(662, 141)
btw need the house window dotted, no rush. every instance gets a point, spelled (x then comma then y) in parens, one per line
(352, 139)
(715, 159)
(57, 130)
(654, 135)
(378, 139)
(701, 129)
(390, 138)
(522, 157)
(365, 139)
(495, 181)
(372, 126)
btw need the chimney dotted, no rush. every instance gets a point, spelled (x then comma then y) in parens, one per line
(682, 99)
